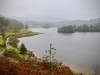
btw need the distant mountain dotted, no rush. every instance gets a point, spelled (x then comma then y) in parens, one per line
(79, 22)
(67, 22)
(1, 15)
(39, 19)
(54, 21)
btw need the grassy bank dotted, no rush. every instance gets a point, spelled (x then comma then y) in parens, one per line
(40, 67)
(1, 40)
(23, 33)
(14, 54)
(20, 34)
(1, 49)
(17, 58)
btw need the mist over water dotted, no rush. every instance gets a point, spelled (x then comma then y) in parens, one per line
(79, 50)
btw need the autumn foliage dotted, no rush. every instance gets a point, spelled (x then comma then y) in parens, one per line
(30, 67)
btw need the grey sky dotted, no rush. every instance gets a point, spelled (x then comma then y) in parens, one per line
(69, 9)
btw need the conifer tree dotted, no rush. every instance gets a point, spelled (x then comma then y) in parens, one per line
(23, 49)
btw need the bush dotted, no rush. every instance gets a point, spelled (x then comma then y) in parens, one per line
(13, 41)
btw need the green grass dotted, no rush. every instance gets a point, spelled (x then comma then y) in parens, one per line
(1, 49)
(21, 55)
(10, 34)
(10, 58)
(1, 40)
(7, 34)
(22, 31)
(16, 52)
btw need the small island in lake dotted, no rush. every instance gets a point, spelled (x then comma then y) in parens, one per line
(81, 28)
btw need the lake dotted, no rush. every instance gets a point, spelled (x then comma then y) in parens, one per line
(79, 50)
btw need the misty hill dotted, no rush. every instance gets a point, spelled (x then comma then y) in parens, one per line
(67, 22)
(54, 21)
(1, 15)
(10, 22)
(39, 19)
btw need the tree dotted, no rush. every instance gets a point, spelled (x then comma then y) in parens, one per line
(96, 69)
(66, 29)
(14, 22)
(3, 28)
(15, 29)
(51, 55)
(13, 41)
(23, 49)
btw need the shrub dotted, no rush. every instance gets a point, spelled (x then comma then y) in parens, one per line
(13, 41)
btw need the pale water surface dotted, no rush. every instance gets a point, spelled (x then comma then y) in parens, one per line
(79, 50)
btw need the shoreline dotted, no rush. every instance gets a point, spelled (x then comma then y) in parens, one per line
(37, 55)
(19, 35)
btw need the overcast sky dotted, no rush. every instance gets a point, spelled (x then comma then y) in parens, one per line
(69, 9)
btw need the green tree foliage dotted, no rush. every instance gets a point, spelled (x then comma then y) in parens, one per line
(15, 23)
(11, 22)
(66, 29)
(23, 49)
(81, 28)
(15, 29)
(4, 23)
(13, 42)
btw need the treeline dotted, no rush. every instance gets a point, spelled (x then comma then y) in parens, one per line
(7, 25)
(81, 28)
(12, 23)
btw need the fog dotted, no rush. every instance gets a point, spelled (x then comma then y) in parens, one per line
(52, 10)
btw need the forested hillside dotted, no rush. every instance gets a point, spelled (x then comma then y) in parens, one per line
(63, 23)
(11, 22)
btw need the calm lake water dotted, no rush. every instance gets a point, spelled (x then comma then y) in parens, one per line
(79, 50)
